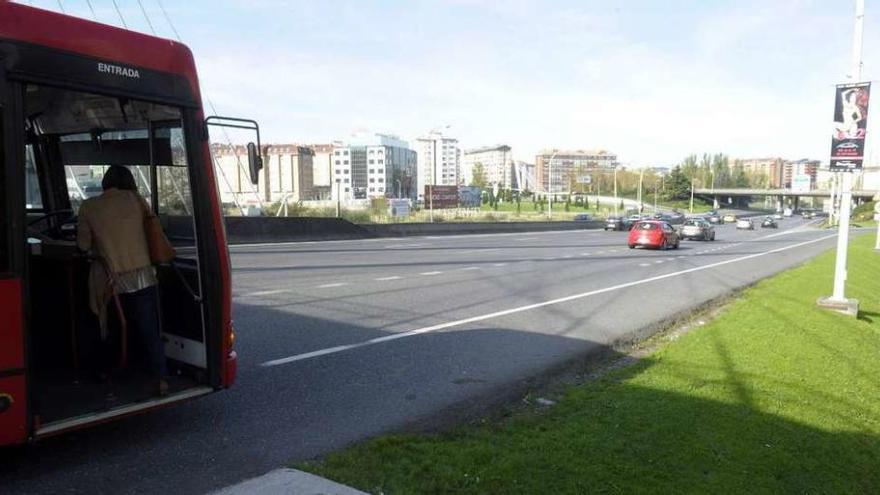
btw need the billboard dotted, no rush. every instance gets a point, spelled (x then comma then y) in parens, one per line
(439, 197)
(470, 196)
(850, 125)
(800, 183)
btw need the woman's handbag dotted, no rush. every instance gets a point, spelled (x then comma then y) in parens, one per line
(161, 250)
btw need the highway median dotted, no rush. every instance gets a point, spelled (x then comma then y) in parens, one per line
(770, 394)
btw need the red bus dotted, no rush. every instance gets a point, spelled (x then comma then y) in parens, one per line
(75, 98)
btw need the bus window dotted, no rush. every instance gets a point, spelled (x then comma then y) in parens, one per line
(33, 198)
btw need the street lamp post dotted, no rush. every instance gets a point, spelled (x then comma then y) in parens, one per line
(550, 186)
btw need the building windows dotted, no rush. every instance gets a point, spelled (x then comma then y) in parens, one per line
(372, 152)
(346, 189)
(345, 162)
(381, 170)
(372, 170)
(380, 151)
(346, 181)
(337, 162)
(345, 153)
(380, 161)
(336, 152)
(338, 171)
(372, 180)
(381, 189)
(372, 161)
(372, 189)
(346, 171)
(381, 179)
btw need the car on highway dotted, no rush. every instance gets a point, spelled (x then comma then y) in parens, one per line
(582, 217)
(745, 224)
(697, 229)
(728, 218)
(808, 214)
(787, 212)
(613, 223)
(777, 216)
(631, 220)
(653, 234)
(713, 217)
(769, 223)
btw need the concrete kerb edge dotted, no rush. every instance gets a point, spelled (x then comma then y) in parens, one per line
(288, 481)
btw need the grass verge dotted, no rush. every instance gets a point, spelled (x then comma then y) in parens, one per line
(773, 395)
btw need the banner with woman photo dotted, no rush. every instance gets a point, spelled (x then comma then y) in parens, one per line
(850, 125)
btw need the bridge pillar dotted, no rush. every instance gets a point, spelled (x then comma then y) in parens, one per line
(780, 203)
(796, 205)
(715, 203)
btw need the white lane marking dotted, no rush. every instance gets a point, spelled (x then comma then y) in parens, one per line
(585, 254)
(394, 246)
(680, 257)
(328, 286)
(519, 309)
(266, 293)
(644, 264)
(658, 262)
(567, 256)
(670, 259)
(481, 250)
(470, 268)
(499, 264)
(383, 279)
(551, 258)
(428, 274)
(527, 239)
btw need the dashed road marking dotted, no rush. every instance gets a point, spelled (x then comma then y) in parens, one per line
(266, 293)
(384, 279)
(470, 268)
(328, 286)
(658, 262)
(644, 264)
(428, 274)
(499, 264)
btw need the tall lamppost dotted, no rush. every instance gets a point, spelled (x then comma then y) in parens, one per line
(550, 185)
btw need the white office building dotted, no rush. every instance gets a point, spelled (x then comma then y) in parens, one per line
(497, 162)
(373, 166)
(439, 161)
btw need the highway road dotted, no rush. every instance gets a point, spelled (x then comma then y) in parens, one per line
(339, 341)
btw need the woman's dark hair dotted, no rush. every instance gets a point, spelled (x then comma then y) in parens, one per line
(118, 177)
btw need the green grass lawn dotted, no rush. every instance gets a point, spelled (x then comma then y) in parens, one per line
(773, 396)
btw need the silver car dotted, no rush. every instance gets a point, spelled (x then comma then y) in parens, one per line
(697, 229)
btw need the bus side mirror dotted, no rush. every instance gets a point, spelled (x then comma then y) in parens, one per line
(255, 162)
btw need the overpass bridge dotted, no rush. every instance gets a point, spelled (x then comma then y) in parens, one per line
(780, 194)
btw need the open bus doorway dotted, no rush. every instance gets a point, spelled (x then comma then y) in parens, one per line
(71, 139)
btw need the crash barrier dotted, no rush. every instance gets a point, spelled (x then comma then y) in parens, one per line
(243, 230)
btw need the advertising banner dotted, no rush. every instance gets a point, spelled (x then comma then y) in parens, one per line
(398, 207)
(850, 125)
(441, 197)
(800, 183)
(470, 196)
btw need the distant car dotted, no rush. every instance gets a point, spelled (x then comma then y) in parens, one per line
(697, 229)
(582, 217)
(631, 220)
(745, 224)
(713, 217)
(654, 234)
(787, 212)
(777, 216)
(676, 218)
(613, 223)
(769, 223)
(808, 215)
(728, 218)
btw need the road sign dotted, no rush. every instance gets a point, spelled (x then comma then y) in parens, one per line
(585, 179)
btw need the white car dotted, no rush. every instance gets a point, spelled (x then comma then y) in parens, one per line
(745, 224)
(777, 216)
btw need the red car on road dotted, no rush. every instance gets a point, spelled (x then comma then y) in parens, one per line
(654, 234)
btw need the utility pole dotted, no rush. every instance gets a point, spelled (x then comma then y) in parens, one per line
(615, 191)
(838, 300)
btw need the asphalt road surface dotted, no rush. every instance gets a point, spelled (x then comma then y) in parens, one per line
(339, 341)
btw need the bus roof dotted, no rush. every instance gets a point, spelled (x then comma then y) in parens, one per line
(20, 23)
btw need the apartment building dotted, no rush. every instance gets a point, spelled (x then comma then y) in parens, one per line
(438, 161)
(497, 162)
(567, 164)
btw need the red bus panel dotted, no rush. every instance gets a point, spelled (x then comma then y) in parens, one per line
(13, 389)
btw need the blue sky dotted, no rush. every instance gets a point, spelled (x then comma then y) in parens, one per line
(650, 80)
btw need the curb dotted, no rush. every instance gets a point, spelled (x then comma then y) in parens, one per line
(288, 481)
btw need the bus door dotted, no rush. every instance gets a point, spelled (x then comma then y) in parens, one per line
(13, 380)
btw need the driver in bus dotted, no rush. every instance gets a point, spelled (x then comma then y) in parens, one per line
(111, 226)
